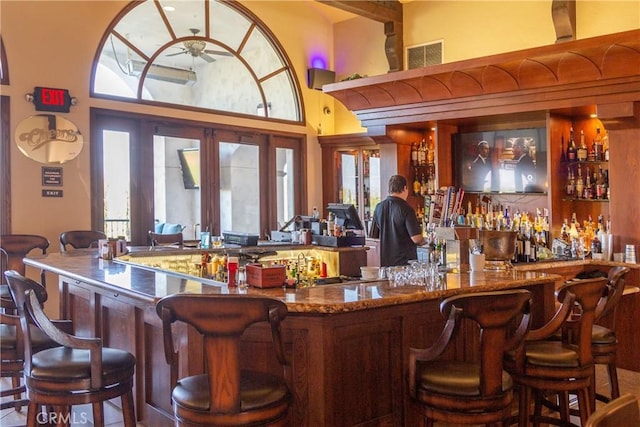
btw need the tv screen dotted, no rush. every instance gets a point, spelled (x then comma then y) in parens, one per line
(504, 161)
(346, 216)
(190, 164)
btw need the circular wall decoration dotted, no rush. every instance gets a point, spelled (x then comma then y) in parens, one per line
(47, 138)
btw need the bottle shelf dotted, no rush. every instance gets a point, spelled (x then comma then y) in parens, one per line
(585, 162)
(573, 199)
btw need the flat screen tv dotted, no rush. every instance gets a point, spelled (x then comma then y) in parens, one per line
(502, 161)
(190, 164)
(346, 216)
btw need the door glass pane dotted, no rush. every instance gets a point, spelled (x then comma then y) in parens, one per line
(116, 179)
(348, 177)
(176, 177)
(239, 188)
(285, 187)
(371, 181)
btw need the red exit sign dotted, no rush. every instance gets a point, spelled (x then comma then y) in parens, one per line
(51, 99)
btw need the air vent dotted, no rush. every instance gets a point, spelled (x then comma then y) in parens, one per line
(423, 55)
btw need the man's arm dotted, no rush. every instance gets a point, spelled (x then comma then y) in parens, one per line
(419, 240)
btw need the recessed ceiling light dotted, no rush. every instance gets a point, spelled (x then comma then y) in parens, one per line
(169, 8)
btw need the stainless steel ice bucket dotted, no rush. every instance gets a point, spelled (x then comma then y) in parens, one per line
(498, 245)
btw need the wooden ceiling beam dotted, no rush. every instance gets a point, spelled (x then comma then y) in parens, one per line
(379, 10)
(389, 12)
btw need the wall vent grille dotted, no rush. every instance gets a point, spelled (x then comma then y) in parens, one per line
(424, 55)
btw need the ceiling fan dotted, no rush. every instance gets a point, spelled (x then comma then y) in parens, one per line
(196, 48)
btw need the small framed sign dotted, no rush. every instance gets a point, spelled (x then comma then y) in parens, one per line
(51, 193)
(51, 176)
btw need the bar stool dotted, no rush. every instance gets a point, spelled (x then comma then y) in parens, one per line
(620, 412)
(544, 366)
(461, 392)
(12, 343)
(604, 342)
(78, 239)
(225, 395)
(13, 248)
(77, 372)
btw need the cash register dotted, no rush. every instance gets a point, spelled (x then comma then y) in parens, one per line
(352, 230)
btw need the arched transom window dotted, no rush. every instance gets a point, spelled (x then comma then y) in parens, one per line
(205, 54)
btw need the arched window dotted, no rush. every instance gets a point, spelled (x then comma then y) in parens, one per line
(207, 54)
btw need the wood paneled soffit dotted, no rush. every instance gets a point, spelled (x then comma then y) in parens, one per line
(596, 67)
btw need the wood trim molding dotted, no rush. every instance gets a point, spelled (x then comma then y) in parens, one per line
(597, 70)
(5, 166)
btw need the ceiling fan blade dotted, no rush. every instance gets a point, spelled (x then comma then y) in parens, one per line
(207, 58)
(218, 52)
(177, 53)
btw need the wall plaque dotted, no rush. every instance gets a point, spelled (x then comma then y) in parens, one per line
(51, 193)
(47, 138)
(51, 176)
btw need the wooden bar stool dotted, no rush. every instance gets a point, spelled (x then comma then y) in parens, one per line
(604, 342)
(461, 392)
(13, 248)
(79, 371)
(225, 395)
(12, 341)
(79, 239)
(620, 412)
(558, 367)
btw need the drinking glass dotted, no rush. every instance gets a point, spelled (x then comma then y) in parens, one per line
(216, 241)
(241, 279)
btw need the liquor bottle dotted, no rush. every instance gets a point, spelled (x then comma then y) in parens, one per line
(582, 149)
(431, 152)
(564, 231)
(422, 153)
(571, 182)
(588, 189)
(600, 188)
(563, 155)
(416, 183)
(414, 154)
(579, 183)
(605, 145)
(572, 152)
(598, 149)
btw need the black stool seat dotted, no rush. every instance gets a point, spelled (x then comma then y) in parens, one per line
(257, 390)
(9, 339)
(68, 364)
(602, 335)
(456, 378)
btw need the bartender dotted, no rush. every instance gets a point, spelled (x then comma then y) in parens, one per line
(400, 233)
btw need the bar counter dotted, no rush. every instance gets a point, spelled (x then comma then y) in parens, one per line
(347, 343)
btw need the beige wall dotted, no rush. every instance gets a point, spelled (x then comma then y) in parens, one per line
(474, 28)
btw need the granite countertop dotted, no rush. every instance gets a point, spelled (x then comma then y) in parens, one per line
(150, 284)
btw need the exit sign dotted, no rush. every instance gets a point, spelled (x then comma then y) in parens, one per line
(51, 99)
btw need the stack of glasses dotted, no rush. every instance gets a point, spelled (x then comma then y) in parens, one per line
(630, 254)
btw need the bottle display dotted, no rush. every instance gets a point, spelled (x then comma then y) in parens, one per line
(414, 154)
(572, 151)
(582, 151)
(598, 147)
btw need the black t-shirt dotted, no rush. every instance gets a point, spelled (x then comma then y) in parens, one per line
(397, 221)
